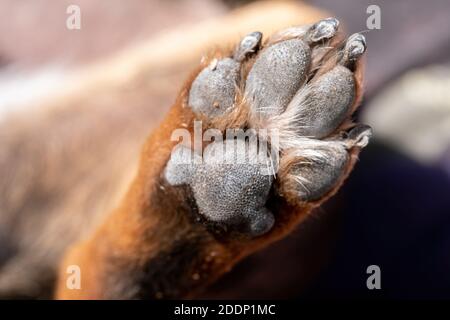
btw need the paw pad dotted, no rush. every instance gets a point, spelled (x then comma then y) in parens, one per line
(228, 183)
(288, 87)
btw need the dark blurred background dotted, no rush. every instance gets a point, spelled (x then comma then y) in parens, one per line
(394, 210)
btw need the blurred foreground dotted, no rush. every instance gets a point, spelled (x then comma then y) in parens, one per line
(394, 211)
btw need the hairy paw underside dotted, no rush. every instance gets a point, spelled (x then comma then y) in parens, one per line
(292, 95)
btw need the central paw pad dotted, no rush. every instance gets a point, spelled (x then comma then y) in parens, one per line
(300, 85)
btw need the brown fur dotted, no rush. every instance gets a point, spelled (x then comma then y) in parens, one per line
(153, 247)
(66, 166)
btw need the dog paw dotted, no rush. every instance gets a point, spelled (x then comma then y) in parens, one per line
(276, 120)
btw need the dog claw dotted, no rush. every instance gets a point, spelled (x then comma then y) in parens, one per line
(322, 30)
(248, 45)
(354, 48)
(300, 85)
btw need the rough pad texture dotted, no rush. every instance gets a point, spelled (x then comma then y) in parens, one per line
(282, 90)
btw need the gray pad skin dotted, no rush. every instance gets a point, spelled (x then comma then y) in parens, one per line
(277, 74)
(320, 175)
(278, 89)
(282, 68)
(324, 104)
(226, 190)
(213, 91)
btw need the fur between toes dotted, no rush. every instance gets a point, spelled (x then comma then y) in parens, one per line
(283, 92)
